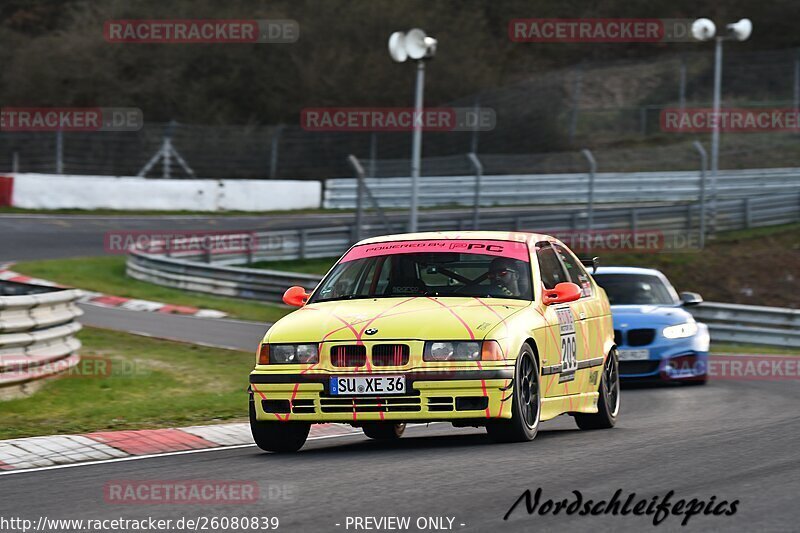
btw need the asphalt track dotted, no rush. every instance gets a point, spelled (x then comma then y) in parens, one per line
(215, 332)
(40, 236)
(731, 440)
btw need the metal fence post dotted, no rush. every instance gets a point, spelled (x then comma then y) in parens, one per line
(15, 162)
(634, 220)
(363, 190)
(476, 164)
(302, 242)
(373, 153)
(576, 96)
(476, 129)
(703, 167)
(359, 198)
(592, 171)
(682, 85)
(643, 120)
(59, 152)
(273, 151)
(748, 213)
(796, 91)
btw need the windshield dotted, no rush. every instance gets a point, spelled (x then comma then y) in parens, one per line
(397, 269)
(635, 289)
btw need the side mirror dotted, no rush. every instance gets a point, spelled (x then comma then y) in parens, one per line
(690, 298)
(563, 293)
(295, 296)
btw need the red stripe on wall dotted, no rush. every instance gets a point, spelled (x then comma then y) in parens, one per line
(6, 190)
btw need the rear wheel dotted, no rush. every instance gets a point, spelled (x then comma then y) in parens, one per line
(608, 402)
(281, 437)
(526, 403)
(383, 430)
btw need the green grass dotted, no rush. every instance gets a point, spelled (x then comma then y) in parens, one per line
(152, 383)
(752, 349)
(305, 266)
(107, 275)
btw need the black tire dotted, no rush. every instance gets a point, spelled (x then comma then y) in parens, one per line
(278, 437)
(608, 402)
(526, 404)
(384, 430)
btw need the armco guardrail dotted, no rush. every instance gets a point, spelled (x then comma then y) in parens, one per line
(547, 189)
(216, 273)
(37, 335)
(750, 324)
(250, 283)
(767, 326)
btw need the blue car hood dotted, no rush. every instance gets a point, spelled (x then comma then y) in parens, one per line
(648, 315)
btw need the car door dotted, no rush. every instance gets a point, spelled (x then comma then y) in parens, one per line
(565, 337)
(591, 321)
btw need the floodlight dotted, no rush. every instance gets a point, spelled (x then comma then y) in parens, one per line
(741, 30)
(703, 29)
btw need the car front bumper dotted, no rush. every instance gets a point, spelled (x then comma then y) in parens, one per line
(431, 395)
(682, 366)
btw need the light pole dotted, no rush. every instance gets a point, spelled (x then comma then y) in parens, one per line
(418, 46)
(704, 30)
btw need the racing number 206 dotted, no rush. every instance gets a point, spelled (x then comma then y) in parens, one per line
(569, 357)
(569, 348)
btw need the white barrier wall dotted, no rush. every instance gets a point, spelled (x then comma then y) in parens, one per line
(54, 191)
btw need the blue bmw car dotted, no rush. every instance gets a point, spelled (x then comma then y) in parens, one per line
(656, 337)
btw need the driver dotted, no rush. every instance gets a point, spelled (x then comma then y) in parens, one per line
(504, 277)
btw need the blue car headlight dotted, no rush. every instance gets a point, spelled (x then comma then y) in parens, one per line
(680, 331)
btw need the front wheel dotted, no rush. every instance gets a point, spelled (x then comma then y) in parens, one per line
(608, 402)
(383, 430)
(280, 437)
(526, 403)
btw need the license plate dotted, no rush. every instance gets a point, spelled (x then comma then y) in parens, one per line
(633, 355)
(367, 385)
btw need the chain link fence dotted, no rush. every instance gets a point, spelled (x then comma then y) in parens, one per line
(541, 124)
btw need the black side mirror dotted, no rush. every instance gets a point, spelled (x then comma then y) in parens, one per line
(690, 298)
(594, 262)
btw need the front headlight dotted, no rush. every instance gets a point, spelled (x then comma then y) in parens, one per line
(452, 351)
(680, 331)
(286, 354)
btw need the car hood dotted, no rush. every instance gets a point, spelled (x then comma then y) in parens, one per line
(648, 315)
(394, 318)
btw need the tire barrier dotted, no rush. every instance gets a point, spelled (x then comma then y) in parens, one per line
(37, 335)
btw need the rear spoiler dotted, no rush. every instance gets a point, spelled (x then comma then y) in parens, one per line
(594, 262)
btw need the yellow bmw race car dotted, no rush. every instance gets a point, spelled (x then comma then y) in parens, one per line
(495, 329)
